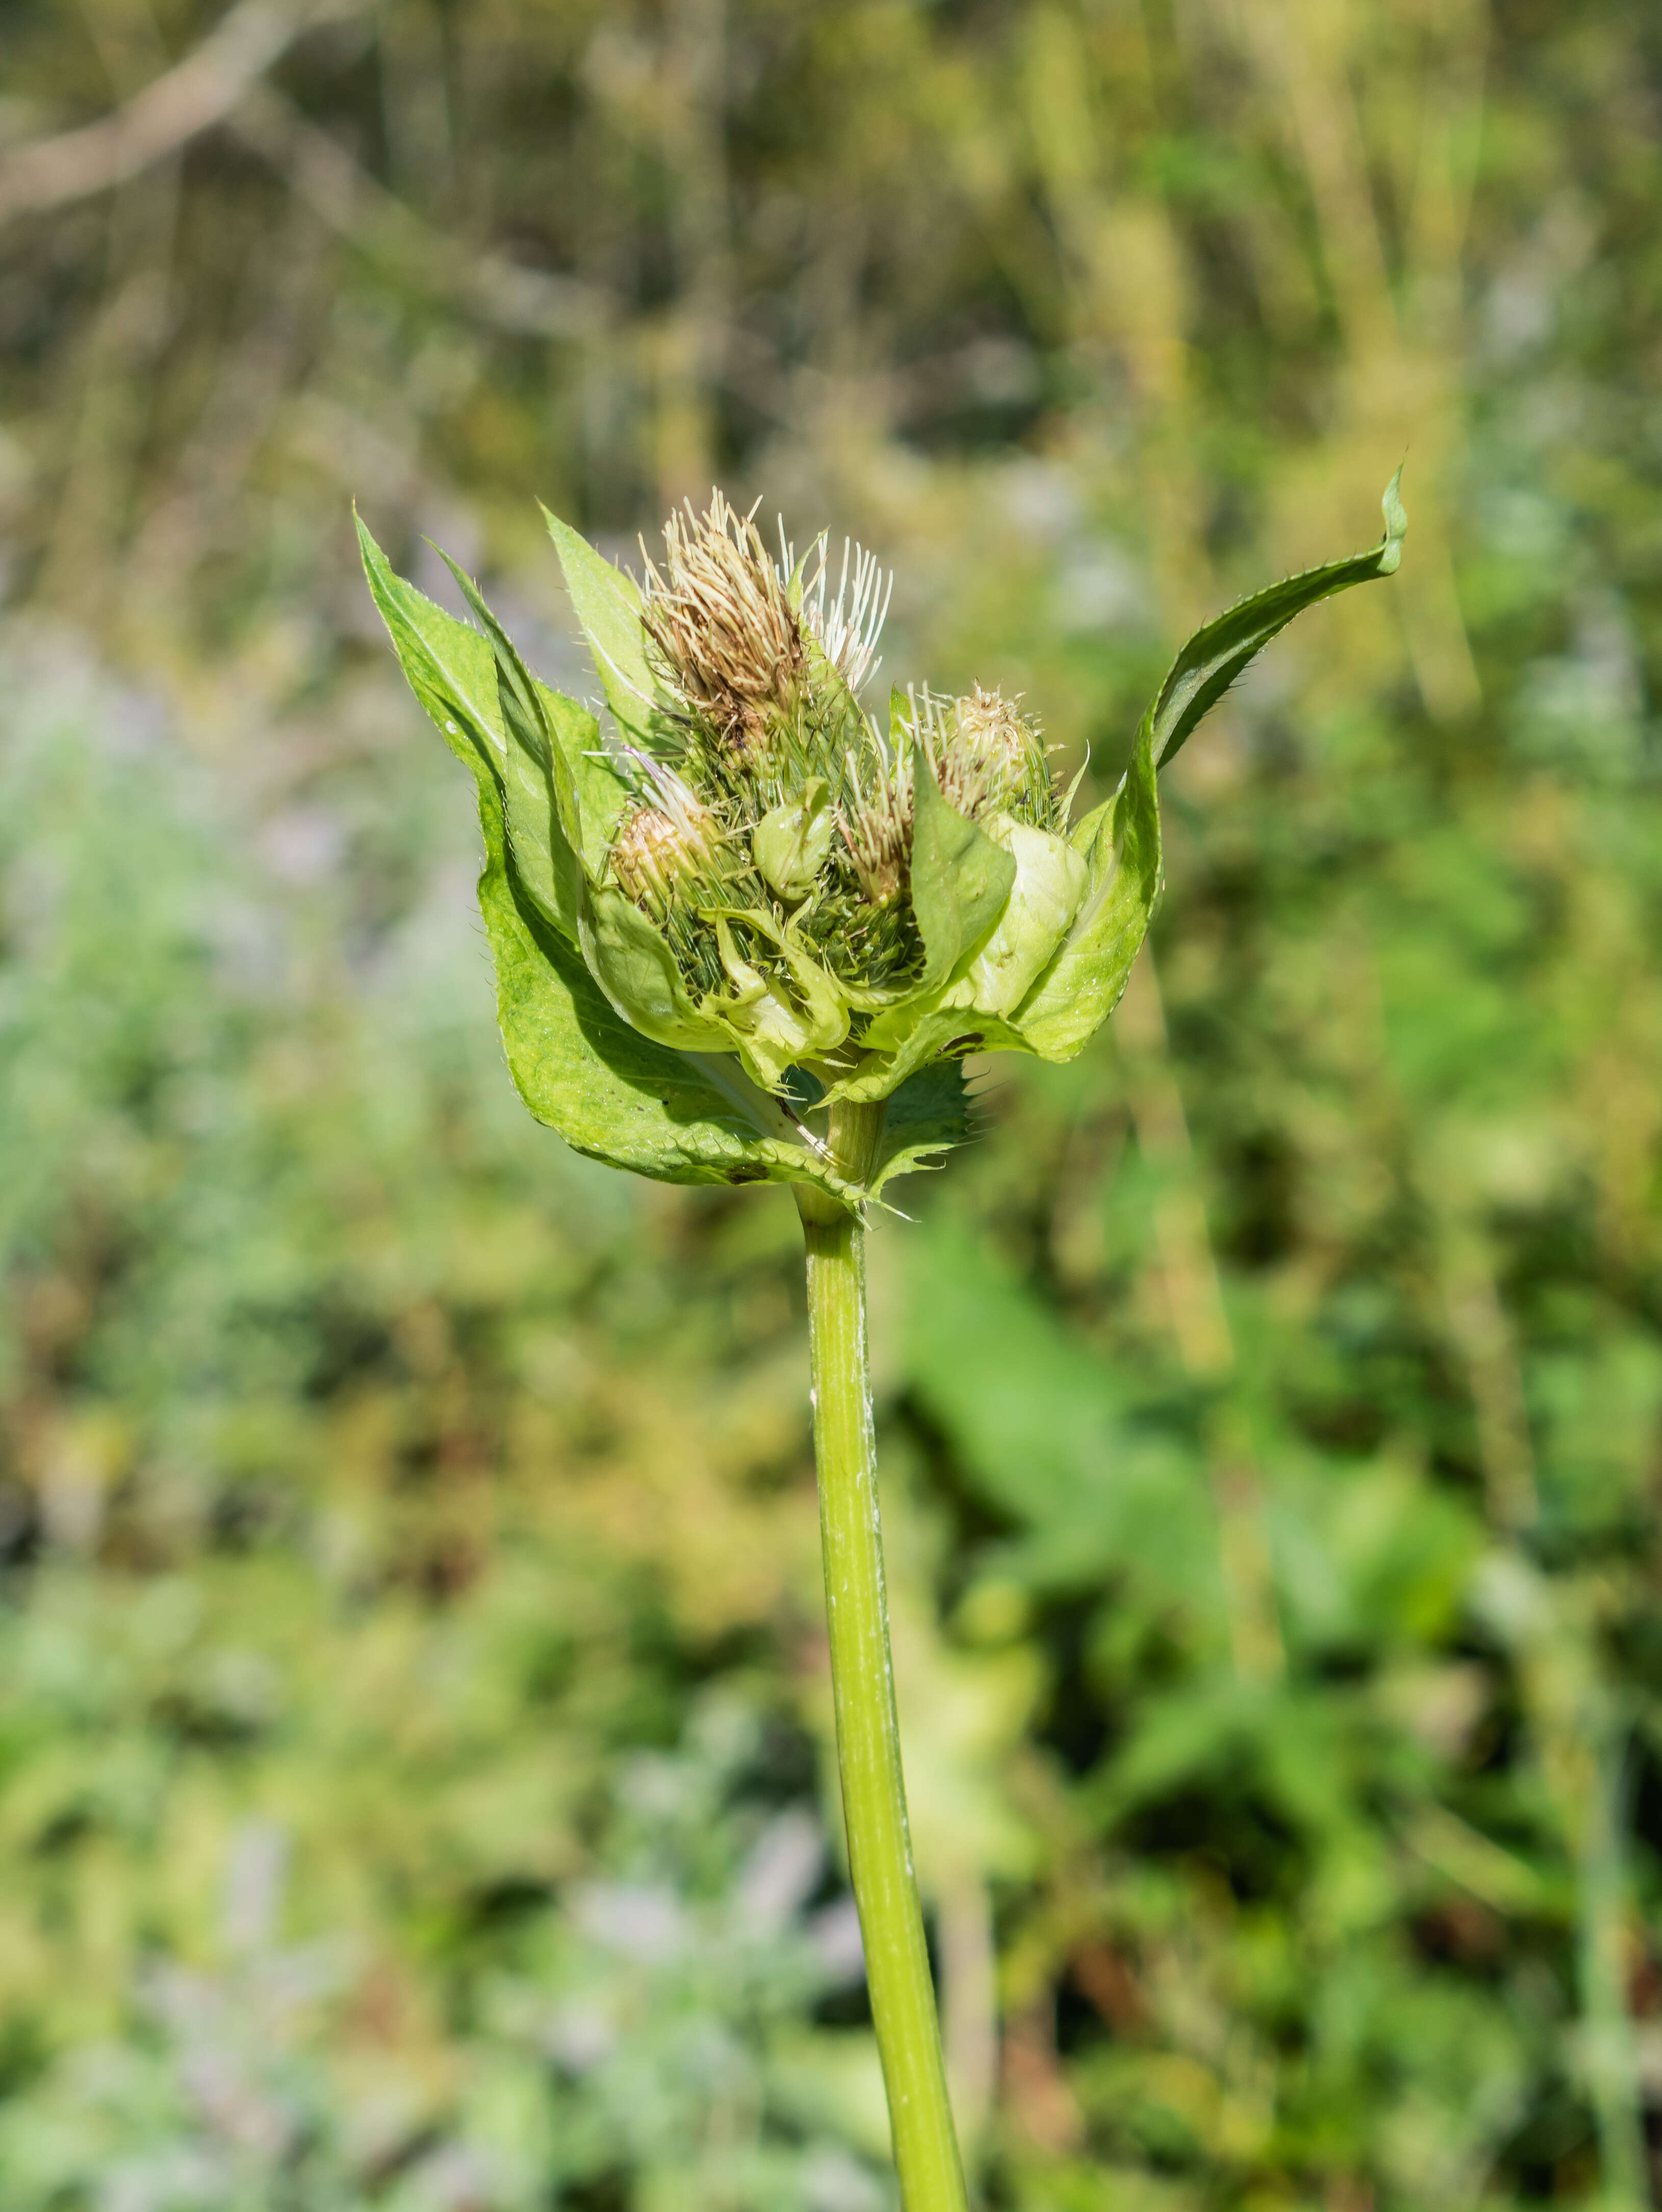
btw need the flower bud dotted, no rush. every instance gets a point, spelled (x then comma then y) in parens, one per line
(791, 843)
(659, 850)
(990, 759)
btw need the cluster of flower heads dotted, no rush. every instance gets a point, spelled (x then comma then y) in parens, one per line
(796, 907)
(788, 906)
(774, 811)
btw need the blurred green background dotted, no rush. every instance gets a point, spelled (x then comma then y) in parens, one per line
(413, 1702)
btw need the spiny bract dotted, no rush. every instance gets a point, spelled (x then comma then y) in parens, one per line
(748, 897)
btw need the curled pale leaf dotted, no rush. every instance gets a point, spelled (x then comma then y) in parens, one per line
(1051, 881)
(636, 969)
(1080, 984)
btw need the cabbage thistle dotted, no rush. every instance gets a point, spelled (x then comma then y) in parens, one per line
(750, 931)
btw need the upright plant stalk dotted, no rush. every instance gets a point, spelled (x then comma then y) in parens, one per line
(754, 878)
(868, 1738)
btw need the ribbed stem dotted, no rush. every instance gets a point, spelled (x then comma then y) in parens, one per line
(868, 1740)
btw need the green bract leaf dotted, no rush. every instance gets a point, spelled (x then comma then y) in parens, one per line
(771, 1035)
(1217, 654)
(611, 1092)
(453, 671)
(933, 1030)
(447, 666)
(926, 1117)
(960, 880)
(603, 791)
(1050, 883)
(960, 885)
(636, 969)
(776, 1028)
(539, 759)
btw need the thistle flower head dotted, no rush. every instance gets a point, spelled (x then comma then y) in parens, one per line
(728, 643)
(779, 765)
(649, 858)
(666, 845)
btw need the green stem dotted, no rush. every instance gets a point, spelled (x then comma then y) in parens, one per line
(868, 1738)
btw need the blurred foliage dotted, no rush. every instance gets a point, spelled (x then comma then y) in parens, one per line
(413, 1719)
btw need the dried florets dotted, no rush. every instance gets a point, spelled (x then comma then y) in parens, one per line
(718, 613)
(876, 822)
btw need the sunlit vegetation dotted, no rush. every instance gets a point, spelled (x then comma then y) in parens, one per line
(413, 1712)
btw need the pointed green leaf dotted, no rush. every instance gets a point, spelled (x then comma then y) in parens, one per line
(536, 769)
(1218, 653)
(447, 666)
(453, 671)
(602, 790)
(520, 698)
(960, 880)
(607, 603)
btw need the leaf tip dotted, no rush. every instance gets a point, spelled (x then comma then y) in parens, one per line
(367, 544)
(464, 583)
